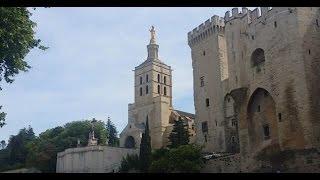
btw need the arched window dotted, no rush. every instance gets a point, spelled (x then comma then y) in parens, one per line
(130, 142)
(257, 57)
(158, 89)
(164, 80)
(165, 91)
(147, 78)
(158, 77)
(147, 89)
(141, 91)
(140, 80)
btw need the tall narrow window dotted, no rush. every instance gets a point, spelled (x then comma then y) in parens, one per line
(279, 117)
(164, 80)
(147, 89)
(147, 78)
(158, 89)
(275, 24)
(204, 126)
(140, 80)
(202, 81)
(266, 131)
(165, 91)
(317, 22)
(258, 108)
(141, 91)
(207, 102)
(158, 77)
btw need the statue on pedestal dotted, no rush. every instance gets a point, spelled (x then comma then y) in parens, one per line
(92, 141)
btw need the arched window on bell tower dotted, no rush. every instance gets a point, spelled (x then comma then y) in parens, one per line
(147, 89)
(158, 89)
(158, 78)
(165, 91)
(141, 91)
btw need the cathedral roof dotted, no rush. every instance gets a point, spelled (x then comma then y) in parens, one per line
(182, 113)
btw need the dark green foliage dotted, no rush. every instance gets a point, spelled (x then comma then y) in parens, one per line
(179, 135)
(184, 159)
(112, 134)
(145, 150)
(17, 38)
(43, 151)
(2, 118)
(3, 144)
(160, 161)
(26, 150)
(129, 163)
(15, 154)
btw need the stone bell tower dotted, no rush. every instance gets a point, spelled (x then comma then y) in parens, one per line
(153, 99)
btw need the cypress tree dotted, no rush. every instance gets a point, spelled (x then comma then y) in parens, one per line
(145, 150)
(179, 135)
(112, 134)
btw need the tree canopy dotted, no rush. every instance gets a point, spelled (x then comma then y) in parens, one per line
(43, 151)
(17, 38)
(27, 150)
(112, 134)
(179, 135)
(15, 154)
(145, 150)
(183, 159)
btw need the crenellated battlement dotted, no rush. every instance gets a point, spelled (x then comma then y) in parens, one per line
(216, 24)
(255, 14)
(211, 26)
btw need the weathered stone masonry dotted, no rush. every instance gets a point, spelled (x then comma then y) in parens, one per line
(261, 74)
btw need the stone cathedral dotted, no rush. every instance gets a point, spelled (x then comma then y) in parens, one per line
(153, 102)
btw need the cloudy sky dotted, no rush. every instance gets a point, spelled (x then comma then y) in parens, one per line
(87, 72)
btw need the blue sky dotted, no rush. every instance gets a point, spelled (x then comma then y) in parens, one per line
(87, 72)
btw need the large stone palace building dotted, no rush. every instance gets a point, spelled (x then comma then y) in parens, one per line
(256, 82)
(153, 102)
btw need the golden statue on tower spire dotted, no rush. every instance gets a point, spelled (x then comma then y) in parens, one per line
(153, 35)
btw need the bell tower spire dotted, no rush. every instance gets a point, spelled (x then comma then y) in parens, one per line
(153, 47)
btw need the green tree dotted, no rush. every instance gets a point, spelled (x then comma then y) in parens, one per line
(3, 144)
(43, 150)
(112, 134)
(129, 163)
(17, 39)
(2, 118)
(179, 135)
(184, 159)
(160, 161)
(145, 150)
(16, 149)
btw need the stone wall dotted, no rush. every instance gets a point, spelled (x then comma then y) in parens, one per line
(227, 164)
(91, 159)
